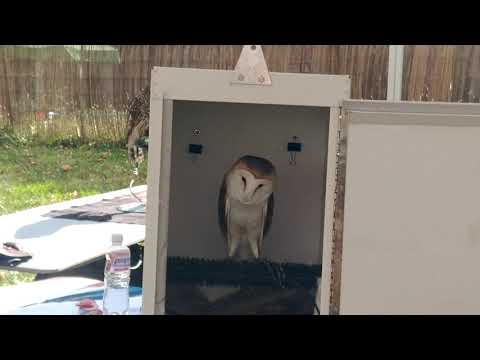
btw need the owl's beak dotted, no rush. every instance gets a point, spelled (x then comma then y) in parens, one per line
(248, 196)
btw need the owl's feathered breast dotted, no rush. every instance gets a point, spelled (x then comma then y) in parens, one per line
(223, 212)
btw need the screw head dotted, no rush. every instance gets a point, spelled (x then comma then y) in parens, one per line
(261, 79)
(196, 132)
(253, 47)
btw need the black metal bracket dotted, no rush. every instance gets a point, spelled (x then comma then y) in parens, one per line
(195, 148)
(293, 147)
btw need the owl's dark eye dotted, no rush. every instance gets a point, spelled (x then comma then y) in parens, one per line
(244, 181)
(258, 187)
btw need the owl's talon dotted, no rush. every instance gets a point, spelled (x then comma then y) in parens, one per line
(231, 251)
(254, 250)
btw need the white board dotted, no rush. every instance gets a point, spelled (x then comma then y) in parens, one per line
(411, 241)
(60, 244)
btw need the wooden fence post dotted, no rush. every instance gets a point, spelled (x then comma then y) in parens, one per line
(8, 102)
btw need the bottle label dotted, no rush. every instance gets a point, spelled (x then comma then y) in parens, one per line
(118, 261)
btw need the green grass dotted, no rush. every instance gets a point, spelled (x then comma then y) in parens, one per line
(32, 174)
(13, 278)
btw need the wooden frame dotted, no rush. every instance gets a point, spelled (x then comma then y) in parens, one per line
(170, 84)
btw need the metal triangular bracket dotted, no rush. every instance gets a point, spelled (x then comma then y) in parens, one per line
(251, 67)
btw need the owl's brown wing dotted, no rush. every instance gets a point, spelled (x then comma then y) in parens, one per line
(222, 213)
(269, 216)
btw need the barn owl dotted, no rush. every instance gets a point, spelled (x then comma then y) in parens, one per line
(245, 206)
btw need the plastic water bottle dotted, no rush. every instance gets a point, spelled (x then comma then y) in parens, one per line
(117, 278)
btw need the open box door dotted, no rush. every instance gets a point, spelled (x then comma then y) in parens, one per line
(411, 225)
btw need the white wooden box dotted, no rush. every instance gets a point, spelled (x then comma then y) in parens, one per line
(235, 120)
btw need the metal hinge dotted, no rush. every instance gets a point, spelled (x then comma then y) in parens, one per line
(337, 230)
(251, 67)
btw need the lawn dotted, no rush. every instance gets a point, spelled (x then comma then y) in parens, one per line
(34, 174)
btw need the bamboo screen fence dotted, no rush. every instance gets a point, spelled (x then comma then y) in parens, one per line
(31, 87)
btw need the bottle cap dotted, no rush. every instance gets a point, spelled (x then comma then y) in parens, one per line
(117, 239)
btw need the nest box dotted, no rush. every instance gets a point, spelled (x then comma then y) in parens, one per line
(382, 196)
(201, 121)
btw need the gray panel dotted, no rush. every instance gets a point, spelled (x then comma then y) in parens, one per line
(228, 131)
(411, 239)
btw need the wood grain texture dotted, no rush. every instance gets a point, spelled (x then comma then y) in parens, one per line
(55, 83)
(431, 72)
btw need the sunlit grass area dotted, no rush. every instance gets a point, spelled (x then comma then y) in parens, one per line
(34, 174)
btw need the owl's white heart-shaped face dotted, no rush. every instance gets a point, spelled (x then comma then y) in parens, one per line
(243, 186)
